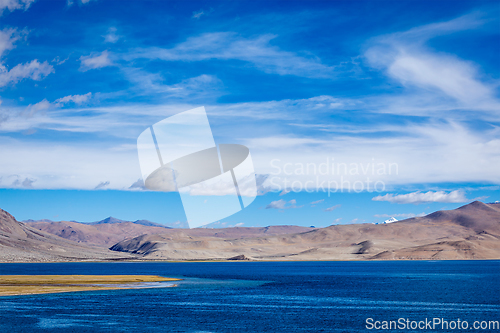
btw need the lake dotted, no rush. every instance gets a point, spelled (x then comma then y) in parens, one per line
(262, 297)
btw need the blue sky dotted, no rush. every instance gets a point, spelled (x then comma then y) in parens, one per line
(412, 84)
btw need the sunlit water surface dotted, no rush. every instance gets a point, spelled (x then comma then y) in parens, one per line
(260, 297)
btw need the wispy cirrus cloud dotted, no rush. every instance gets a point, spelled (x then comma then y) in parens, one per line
(295, 130)
(77, 99)
(31, 110)
(111, 36)
(198, 14)
(34, 69)
(410, 145)
(8, 37)
(418, 197)
(231, 46)
(441, 79)
(95, 61)
(330, 209)
(70, 3)
(31, 70)
(282, 204)
(153, 83)
(12, 5)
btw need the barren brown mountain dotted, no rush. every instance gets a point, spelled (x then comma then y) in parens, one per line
(110, 231)
(469, 232)
(21, 243)
(103, 233)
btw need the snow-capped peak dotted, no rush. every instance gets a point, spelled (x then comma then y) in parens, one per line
(392, 219)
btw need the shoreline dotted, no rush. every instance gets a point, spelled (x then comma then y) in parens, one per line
(17, 285)
(227, 260)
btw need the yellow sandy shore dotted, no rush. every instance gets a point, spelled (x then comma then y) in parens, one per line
(11, 285)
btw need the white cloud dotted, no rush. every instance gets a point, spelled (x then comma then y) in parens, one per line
(282, 204)
(198, 14)
(452, 76)
(77, 99)
(284, 142)
(67, 166)
(58, 60)
(199, 87)
(31, 110)
(462, 154)
(70, 3)
(219, 188)
(405, 58)
(95, 61)
(7, 39)
(12, 5)
(293, 131)
(317, 202)
(111, 36)
(329, 209)
(423, 197)
(33, 70)
(226, 46)
(201, 12)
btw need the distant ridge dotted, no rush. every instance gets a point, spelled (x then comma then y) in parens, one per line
(20, 242)
(469, 232)
(112, 220)
(102, 233)
(108, 220)
(31, 221)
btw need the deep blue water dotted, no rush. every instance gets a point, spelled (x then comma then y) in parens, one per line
(261, 297)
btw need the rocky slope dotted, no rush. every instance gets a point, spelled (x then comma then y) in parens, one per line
(21, 243)
(469, 232)
(102, 233)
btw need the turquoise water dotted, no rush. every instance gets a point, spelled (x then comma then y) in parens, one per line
(261, 297)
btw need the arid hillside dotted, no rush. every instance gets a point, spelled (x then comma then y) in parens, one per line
(110, 231)
(21, 243)
(469, 232)
(103, 233)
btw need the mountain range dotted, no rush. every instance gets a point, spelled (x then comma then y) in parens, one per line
(20, 242)
(469, 232)
(101, 233)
